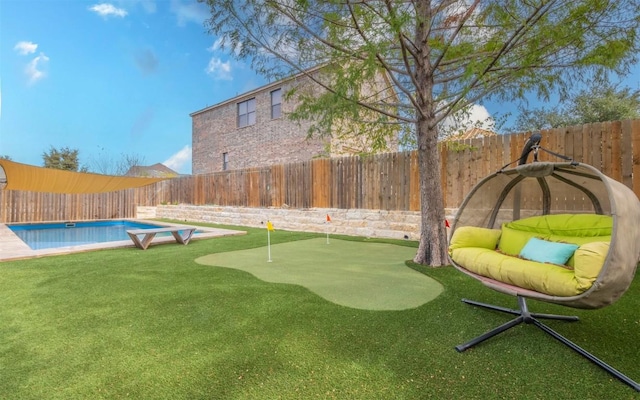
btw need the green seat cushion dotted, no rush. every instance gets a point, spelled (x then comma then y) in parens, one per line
(579, 241)
(474, 249)
(471, 236)
(588, 261)
(513, 240)
(574, 225)
(579, 229)
(543, 278)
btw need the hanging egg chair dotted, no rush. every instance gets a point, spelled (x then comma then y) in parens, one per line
(560, 232)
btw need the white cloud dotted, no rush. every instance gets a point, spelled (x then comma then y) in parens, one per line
(223, 43)
(25, 48)
(217, 44)
(106, 10)
(180, 160)
(474, 116)
(34, 71)
(219, 70)
(480, 117)
(189, 12)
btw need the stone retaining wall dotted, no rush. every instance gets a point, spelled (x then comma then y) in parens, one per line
(355, 222)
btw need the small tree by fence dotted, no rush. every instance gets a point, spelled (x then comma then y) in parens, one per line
(385, 182)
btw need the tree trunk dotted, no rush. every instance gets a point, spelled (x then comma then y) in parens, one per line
(433, 237)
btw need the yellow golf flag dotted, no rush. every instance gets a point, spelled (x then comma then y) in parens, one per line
(270, 226)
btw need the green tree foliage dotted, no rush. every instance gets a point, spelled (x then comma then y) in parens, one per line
(438, 57)
(599, 102)
(64, 158)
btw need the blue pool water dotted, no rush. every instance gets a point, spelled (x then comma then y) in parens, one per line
(53, 235)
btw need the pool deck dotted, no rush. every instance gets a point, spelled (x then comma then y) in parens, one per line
(13, 248)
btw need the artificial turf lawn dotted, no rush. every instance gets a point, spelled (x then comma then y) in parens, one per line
(369, 276)
(155, 324)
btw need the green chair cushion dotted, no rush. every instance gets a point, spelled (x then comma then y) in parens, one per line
(588, 261)
(543, 278)
(512, 240)
(474, 249)
(574, 225)
(471, 236)
(579, 229)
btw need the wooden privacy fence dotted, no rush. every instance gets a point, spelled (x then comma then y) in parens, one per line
(390, 181)
(385, 182)
(21, 206)
(612, 147)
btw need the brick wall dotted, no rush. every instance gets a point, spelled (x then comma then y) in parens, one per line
(270, 141)
(267, 142)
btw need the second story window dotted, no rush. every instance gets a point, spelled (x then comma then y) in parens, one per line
(276, 103)
(225, 161)
(246, 113)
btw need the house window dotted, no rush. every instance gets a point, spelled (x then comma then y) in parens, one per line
(247, 113)
(225, 161)
(276, 103)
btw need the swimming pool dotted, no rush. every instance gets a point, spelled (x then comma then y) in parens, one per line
(65, 234)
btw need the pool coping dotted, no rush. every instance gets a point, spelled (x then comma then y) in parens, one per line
(13, 248)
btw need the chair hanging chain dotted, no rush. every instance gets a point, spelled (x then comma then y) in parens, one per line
(536, 147)
(566, 158)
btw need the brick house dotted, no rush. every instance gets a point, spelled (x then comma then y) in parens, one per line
(251, 130)
(157, 170)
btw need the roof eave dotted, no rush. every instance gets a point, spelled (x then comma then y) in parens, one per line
(257, 90)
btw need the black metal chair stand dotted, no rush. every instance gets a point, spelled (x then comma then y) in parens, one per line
(523, 315)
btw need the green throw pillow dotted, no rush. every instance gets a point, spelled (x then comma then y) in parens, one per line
(548, 252)
(471, 236)
(513, 240)
(589, 259)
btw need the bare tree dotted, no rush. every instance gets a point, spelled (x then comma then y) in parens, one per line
(106, 164)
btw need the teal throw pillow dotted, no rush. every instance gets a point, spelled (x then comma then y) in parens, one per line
(548, 252)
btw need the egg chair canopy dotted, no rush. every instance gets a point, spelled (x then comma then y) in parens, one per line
(544, 188)
(537, 189)
(17, 176)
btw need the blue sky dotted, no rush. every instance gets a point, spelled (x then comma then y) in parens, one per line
(117, 78)
(109, 78)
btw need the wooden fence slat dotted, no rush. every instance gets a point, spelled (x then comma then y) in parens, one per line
(616, 150)
(598, 143)
(415, 182)
(607, 146)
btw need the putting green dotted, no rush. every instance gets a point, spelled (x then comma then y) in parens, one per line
(369, 276)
